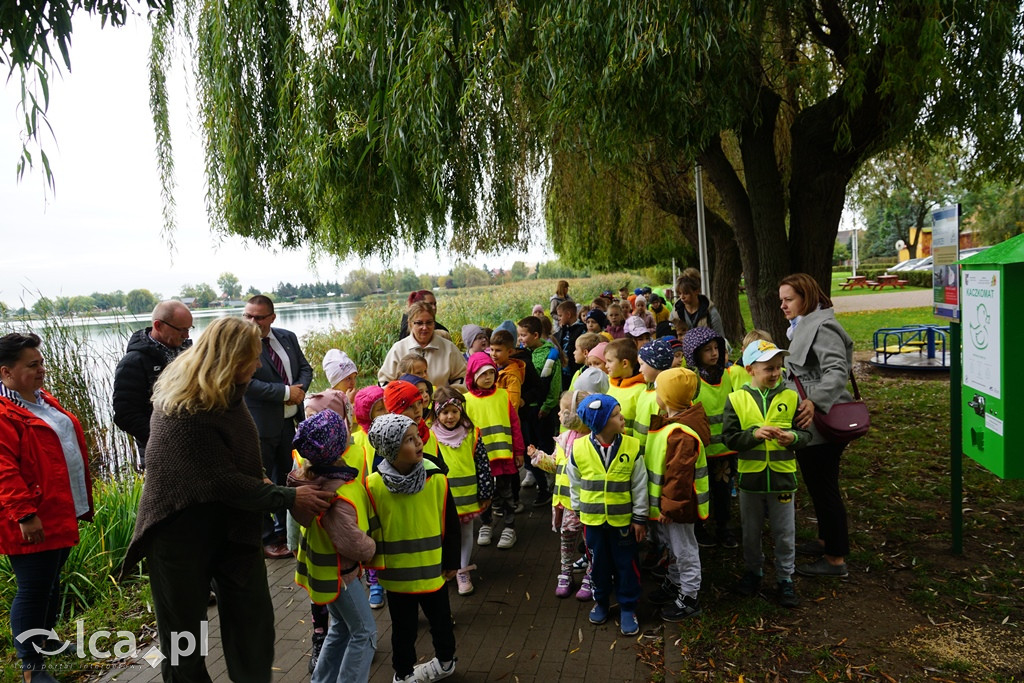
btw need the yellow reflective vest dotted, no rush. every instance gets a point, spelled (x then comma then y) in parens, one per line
(359, 437)
(627, 398)
(606, 496)
(560, 494)
(318, 566)
(770, 467)
(491, 416)
(462, 473)
(646, 408)
(654, 458)
(409, 534)
(712, 397)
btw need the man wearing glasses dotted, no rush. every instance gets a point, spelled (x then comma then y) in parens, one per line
(274, 397)
(149, 352)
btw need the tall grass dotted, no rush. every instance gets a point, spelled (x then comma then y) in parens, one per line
(376, 326)
(75, 375)
(88, 578)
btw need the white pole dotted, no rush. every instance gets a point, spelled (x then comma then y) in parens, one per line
(674, 277)
(702, 240)
(856, 252)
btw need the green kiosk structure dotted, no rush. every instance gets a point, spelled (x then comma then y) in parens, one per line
(986, 401)
(992, 326)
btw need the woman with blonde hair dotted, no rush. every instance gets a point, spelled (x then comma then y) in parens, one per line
(199, 520)
(561, 294)
(445, 362)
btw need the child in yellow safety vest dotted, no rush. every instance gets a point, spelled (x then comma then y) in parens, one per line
(655, 357)
(759, 424)
(416, 526)
(334, 545)
(678, 488)
(627, 384)
(490, 409)
(469, 472)
(564, 520)
(608, 490)
(705, 354)
(368, 405)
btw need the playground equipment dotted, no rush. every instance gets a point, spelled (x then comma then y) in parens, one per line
(914, 347)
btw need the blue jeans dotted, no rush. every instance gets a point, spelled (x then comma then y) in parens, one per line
(36, 600)
(351, 639)
(614, 550)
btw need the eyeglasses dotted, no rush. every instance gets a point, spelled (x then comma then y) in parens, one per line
(179, 330)
(256, 318)
(423, 323)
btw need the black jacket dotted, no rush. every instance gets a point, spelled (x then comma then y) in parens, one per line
(143, 362)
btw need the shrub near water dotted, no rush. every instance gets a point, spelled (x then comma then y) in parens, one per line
(375, 328)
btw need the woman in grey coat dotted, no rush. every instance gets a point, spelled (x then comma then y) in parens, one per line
(820, 355)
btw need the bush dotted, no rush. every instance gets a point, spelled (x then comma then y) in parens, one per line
(656, 275)
(917, 278)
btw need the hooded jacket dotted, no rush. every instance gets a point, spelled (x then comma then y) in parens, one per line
(678, 499)
(475, 363)
(696, 338)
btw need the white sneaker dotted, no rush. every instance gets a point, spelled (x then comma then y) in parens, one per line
(433, 671)
(508, 539)
(411, 678)
(529, 480)
(464, 581)
(484, 537)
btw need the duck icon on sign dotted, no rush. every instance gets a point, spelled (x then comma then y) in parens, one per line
(979, 329)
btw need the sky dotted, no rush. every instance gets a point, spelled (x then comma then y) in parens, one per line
(100, 229)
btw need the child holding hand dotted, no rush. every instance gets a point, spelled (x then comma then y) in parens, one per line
(608, 490)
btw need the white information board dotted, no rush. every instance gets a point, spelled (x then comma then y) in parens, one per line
(980, 296)
(945, 254)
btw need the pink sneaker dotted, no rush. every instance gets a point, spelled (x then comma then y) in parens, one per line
(564, 587)
(586, 591)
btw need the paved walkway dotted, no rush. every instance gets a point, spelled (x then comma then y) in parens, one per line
(904, 298)
(512, 628)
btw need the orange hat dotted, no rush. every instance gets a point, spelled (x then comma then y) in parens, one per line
(399, 395)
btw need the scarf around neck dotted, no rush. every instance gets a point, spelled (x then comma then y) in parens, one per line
(450, 437)
(396, 482)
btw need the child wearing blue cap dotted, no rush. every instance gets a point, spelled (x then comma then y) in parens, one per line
(608, 490)
(758, 423)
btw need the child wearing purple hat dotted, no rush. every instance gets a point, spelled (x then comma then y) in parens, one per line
(334, 545)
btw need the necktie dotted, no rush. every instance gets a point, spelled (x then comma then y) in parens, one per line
(274, 358)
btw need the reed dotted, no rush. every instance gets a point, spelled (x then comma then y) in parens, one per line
(376, 326)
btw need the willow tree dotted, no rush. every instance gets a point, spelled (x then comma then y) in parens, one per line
(359, 125)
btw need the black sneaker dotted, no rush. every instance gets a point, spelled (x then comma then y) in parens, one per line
(727, 539)
(682, 609)
(749, 585)
(543, 499)
(822, 567)
(664, 594)
(786, 595)
(704, 538)
(318, 644)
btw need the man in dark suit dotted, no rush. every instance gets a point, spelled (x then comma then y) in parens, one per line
(274, 397)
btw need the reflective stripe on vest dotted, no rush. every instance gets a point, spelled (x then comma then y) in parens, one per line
(770, 467)
(606, 495)
(462, 479)
(654, 458)
(491, 414)
(317, 564)
(627, 398)
(560, 494)
(712, 397)
(409, 537)
(646, 408)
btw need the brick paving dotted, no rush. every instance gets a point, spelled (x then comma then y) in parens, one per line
(512, 628)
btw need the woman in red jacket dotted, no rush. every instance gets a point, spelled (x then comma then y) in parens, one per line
(44, 490)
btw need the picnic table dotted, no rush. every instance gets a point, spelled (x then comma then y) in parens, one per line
(894, 281)
(855, 281)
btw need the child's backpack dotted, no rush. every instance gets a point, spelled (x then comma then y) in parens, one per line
(535, 389)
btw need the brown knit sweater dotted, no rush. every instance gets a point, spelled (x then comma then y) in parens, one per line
(206, 458)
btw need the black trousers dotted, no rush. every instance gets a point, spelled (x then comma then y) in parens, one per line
(819, 467)
(277, 461)
(187, 552)
(404, 610)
